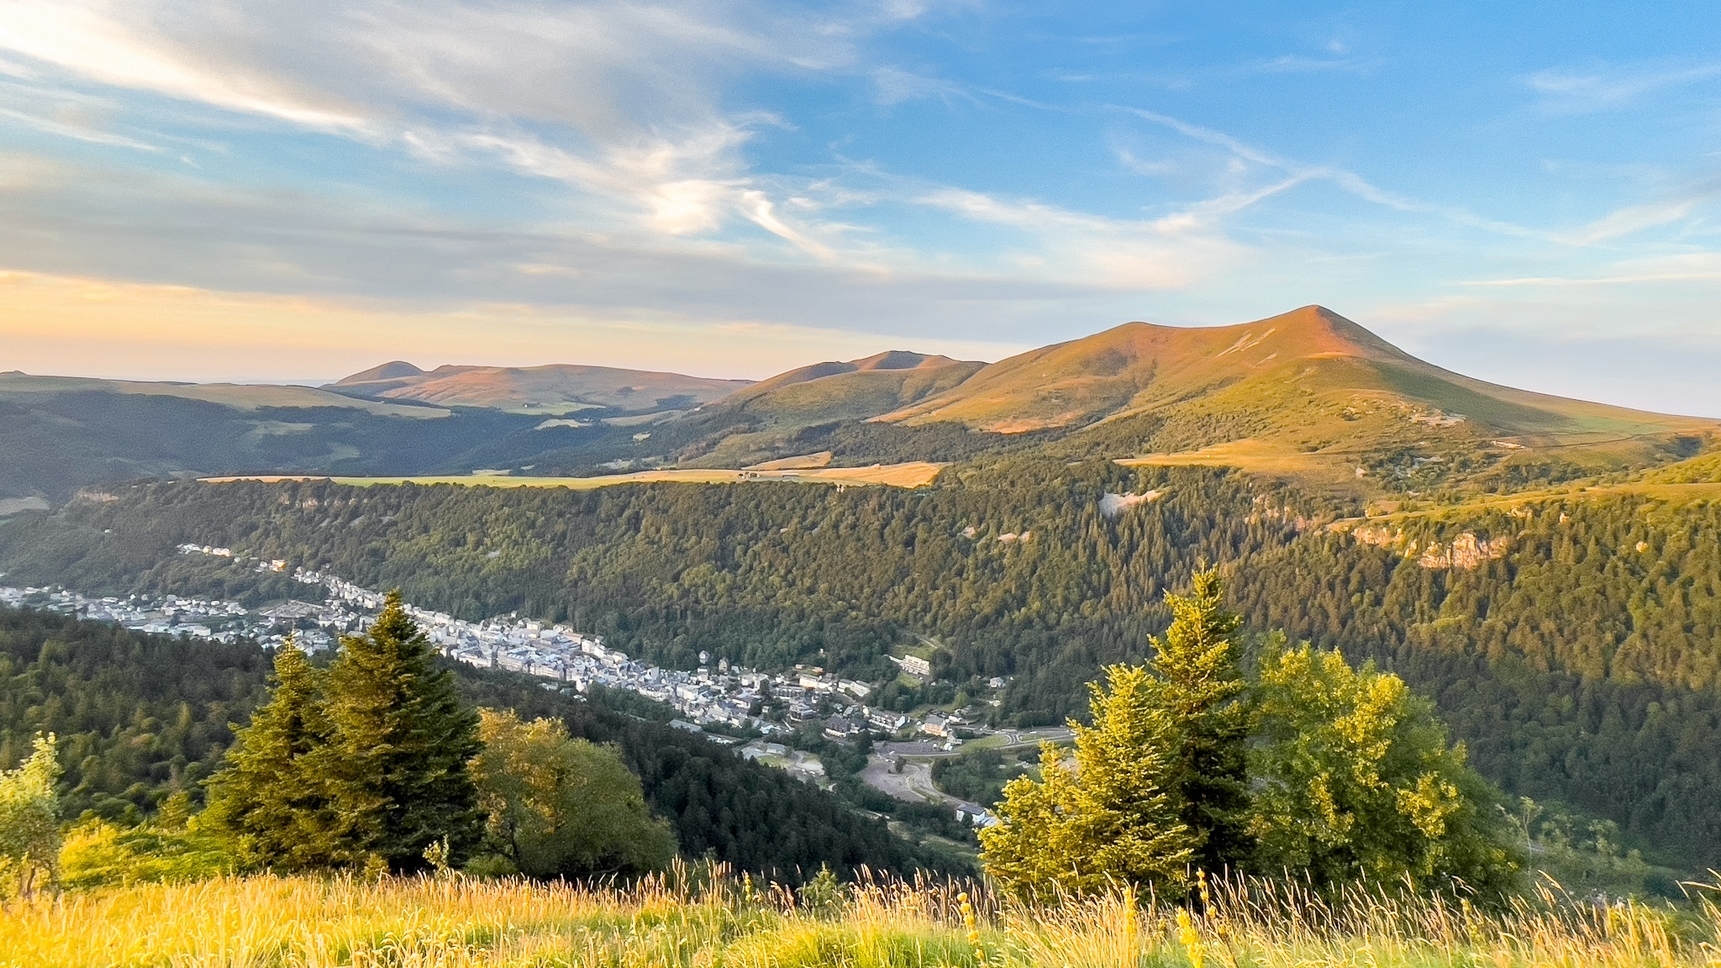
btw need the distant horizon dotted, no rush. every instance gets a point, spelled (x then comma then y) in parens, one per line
(1524, 195)
(647, 367)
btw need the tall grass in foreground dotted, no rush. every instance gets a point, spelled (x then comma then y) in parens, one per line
(693, 922)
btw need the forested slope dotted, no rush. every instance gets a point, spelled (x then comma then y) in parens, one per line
(1577, 658)
(141, 716)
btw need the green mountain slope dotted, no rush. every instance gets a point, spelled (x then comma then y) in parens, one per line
(1309, 395)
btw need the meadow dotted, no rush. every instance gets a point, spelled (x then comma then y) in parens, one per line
(687, 920)
(910, 475)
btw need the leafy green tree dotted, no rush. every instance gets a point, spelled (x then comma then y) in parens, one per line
(1114, 818)
(1200, 694)
(558, 806)
(267, 803)
(1355, 779)
(30, 820)
(400, 741)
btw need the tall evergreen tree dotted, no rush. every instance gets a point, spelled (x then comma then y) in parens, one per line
(401, 739)
(1111, 820)
(265, 800)
(1201, 693)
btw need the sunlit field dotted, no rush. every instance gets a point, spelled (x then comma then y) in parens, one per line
(912, 474)
(692, 921)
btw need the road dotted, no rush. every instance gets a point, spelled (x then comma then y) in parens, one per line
(912, 785)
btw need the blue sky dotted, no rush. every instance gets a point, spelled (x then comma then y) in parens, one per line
(1523, 192)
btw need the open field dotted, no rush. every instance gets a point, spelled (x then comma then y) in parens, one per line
(453, 922)
(1265, 457)
(1672, 493)
(910, 475)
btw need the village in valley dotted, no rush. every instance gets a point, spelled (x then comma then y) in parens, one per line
(760, 715)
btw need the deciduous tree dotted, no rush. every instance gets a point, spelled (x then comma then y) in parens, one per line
(1355, 779)
(558, 806)
(30, 821)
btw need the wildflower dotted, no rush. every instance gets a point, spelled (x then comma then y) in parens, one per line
(1190, 937)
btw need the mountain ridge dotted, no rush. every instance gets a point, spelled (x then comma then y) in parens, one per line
(551, 388)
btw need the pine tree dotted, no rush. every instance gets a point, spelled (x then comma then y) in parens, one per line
(401, 738)
(1200, 691)
(1112, 820)
(265, 800)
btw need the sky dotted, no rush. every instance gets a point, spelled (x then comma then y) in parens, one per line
(257, 190)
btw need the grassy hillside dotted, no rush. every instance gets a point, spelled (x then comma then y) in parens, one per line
(250, 397)
(1307, 395)
(696, 920)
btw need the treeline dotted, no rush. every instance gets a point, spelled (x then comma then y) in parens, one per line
(1579, 668)
(140, 718)
(1012, 565)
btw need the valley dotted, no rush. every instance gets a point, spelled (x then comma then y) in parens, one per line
(1543, 569)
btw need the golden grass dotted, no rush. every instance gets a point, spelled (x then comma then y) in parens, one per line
(1329, 469)
(685, 922)
(1669, 493)
(910, 475)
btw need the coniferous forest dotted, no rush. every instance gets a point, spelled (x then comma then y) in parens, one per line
(1577, 664)
(140, 718)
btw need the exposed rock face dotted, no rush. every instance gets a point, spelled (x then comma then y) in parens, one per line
(1466, 552)
(1112, 505)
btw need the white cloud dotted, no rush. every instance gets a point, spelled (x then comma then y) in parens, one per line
(120, 44)
(1169, 252)
(1610, 88)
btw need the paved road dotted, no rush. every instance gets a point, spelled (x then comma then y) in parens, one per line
(913, 784)
(1034, 737)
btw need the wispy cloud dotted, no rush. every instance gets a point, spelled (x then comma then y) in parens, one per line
(1300, 172)
(76, 132)
(1609, 88)
(1164, 253)
(1634, 218)
(117, 46)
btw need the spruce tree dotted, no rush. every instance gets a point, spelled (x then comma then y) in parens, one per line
(265, 800)
(1201, 695)
(1112, 820)
(401, 738)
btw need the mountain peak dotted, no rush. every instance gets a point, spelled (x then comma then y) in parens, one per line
(902, 360)
(392, 370)
(1140, 368)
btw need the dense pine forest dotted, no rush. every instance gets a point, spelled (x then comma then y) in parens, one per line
(142, 717)
(1577, 659)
